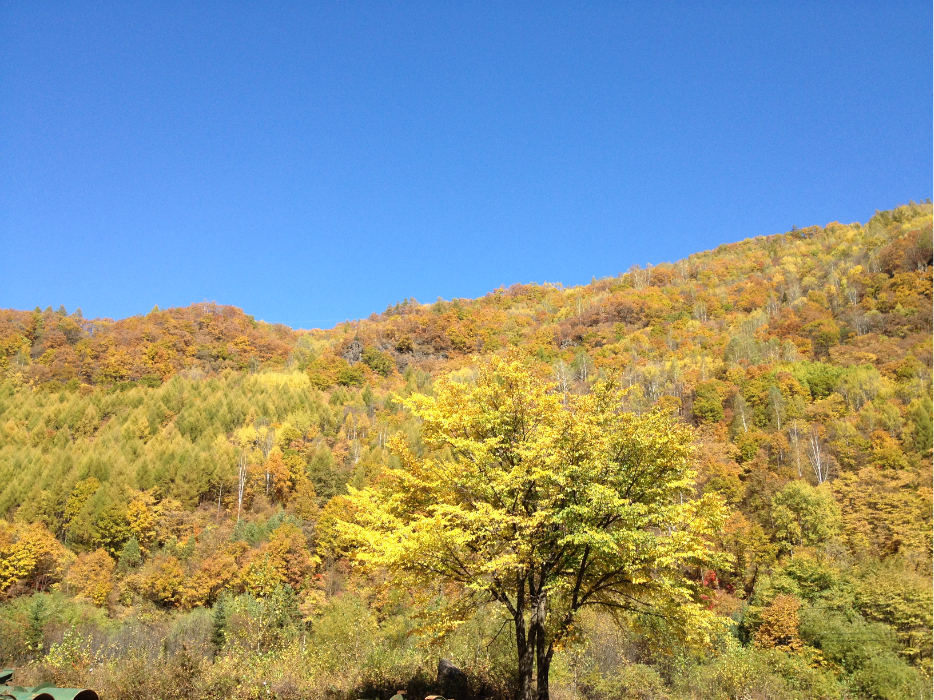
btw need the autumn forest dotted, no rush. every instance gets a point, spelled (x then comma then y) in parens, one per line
(198, 504)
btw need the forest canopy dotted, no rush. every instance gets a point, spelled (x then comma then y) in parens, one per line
(177, 485)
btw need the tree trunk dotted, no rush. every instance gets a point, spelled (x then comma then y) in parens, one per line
(544, 665)
(525, 647)
(241, 483)
(526, 650)
(543, 650)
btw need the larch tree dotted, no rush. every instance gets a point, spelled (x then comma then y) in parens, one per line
(543, 504)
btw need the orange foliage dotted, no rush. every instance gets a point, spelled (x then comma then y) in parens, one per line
(91, 576)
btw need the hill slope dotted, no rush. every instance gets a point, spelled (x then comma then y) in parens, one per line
(194, 454)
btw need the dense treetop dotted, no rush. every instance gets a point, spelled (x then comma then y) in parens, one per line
(52, 345)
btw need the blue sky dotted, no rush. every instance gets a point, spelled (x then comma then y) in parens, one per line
(313, 163)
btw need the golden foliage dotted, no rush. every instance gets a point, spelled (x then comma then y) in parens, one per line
(91, 576)
(542, 502)
(284, 560)
(29, 554)
(778, 625)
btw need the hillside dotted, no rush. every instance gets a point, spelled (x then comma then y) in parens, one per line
(170, 481)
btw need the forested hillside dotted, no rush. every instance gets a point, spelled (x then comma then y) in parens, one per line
(170, 483)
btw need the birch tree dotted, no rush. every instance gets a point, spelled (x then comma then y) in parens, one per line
(819, 461)
(242, 475)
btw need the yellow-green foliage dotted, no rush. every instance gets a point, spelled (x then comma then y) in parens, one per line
(544, 503)
(199, 449)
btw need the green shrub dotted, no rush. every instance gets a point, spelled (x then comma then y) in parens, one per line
(379, 362)
(708, 406)
(820, 378)
(887, 677)
(628, 682)
(805, 515)
(746, 672)
(350, 376)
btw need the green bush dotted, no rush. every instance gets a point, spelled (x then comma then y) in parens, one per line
(379, 362)
(708, 406)
(845, 639)
(887, 677)
(820, 378)
(746, 672)
(868, 651)
(350, 376)
(805, 515)
(628, 682)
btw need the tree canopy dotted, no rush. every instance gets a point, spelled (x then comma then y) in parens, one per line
(543, 503)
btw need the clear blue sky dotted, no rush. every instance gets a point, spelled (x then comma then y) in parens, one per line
(316, 162)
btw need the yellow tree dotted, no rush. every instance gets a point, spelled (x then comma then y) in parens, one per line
(779, 626)
(542, 504)
(91, 576)
(29, 554)
(142, 514)
(283, 560)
